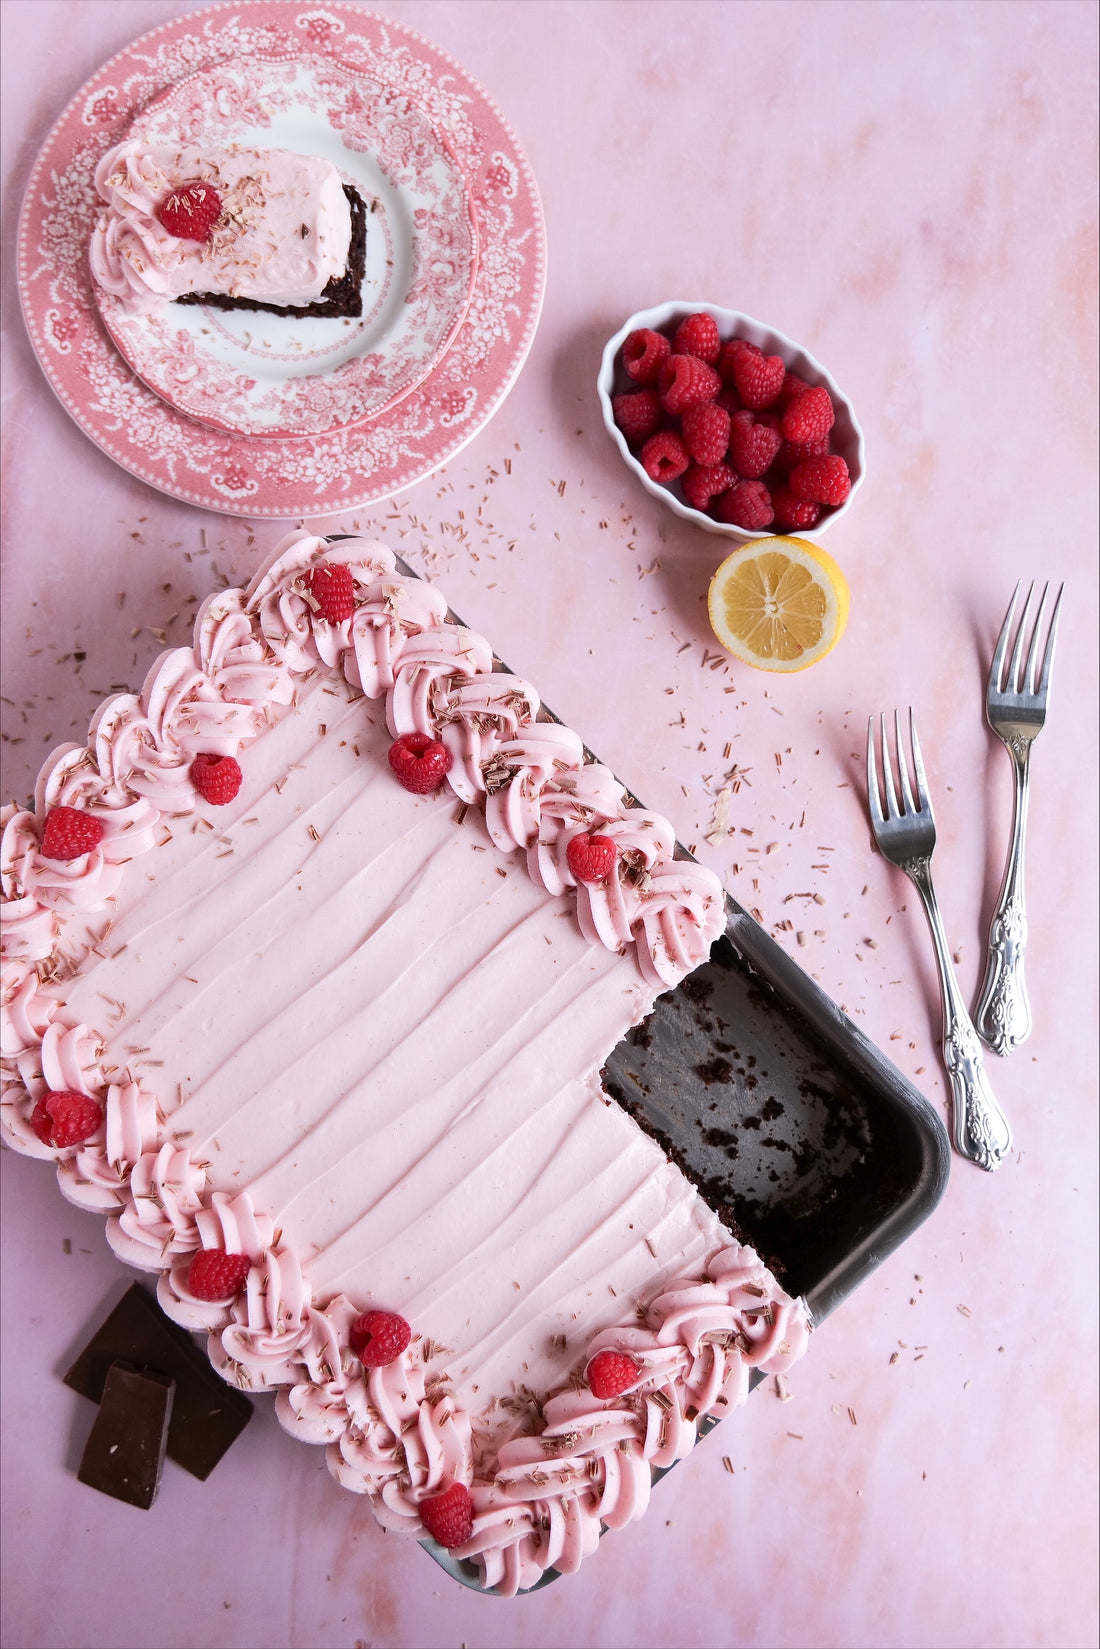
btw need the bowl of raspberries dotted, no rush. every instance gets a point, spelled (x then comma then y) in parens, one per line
(729, 423)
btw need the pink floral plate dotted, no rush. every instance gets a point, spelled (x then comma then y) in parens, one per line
(345, 467)
(284, 376)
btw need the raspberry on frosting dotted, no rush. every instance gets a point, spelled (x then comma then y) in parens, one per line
(332, 587)
(591, 858)
(217, 779)
(420, 763)
(69, 833)
(379, 1337)
(215, 1275)
(610, 1373)
(449, 1517)
(64, 1119)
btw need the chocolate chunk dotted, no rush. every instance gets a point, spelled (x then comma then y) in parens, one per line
(207, 1414)
(124, 1454)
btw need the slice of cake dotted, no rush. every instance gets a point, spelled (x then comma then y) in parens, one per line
(314, 953)
(237, 228)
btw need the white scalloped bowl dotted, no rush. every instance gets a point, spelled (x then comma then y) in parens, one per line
(846, 436)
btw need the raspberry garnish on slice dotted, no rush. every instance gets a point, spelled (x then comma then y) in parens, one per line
(191, 211)
(216, 778)
(333, 589)
(591, 858)
(419, 762)
(379, 1337)
(64, 1118)
(448, 1517)
(610, 1373)
(216, 1275)
(69, 833)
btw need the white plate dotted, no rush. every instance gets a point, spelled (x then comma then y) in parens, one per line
(273, 375)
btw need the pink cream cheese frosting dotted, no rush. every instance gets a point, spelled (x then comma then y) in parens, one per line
(283, 233)
(355, 1034)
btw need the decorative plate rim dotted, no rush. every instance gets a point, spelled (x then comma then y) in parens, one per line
(258, 477)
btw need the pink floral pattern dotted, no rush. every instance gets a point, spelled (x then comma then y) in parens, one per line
(314, 475)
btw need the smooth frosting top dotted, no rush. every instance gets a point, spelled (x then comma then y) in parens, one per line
(283, 233)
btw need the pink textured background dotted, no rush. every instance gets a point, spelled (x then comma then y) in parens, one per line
(909, 189)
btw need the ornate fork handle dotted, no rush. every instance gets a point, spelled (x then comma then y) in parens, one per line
(980, 1129)
(1003, 1014)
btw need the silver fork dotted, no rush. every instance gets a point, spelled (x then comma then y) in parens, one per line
(1015, 707)
(906, 835)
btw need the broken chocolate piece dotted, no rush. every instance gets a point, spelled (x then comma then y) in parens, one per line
(124, 1454)
(207, 1414)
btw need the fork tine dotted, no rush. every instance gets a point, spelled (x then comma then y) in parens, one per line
(923, 798)
(903, 761)
(996, 669)
(1048, 652)
(888, 773)
(873, 799)
(1015, 683)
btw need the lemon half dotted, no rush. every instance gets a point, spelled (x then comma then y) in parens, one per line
(779, 604)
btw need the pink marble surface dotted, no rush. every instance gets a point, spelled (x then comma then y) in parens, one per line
(909, 189)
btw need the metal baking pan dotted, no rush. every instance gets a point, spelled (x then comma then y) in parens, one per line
(806, 1141)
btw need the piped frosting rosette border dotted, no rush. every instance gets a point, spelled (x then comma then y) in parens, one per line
(392, 1433)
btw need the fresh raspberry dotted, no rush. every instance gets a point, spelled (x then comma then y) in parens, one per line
(216, 778)
(69, 833)
(758, 378)
(793, 513)
(448, 1517)
(637, 413)
(703, 482)
(591, 858)
(796, 452)
(793, 387)
(698, 335)
(643, 353)
(686, 381)
(420, 763)
(730, 352)
(706, 432)
(216, 1275)
(748, 505)
(664, 456)
(333, 589)
(753, 445)
(65, 1118)
(809, 417)
(824, 480)
(728, 399)
(379, 1337)
(191, 211)
(610, 1373)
